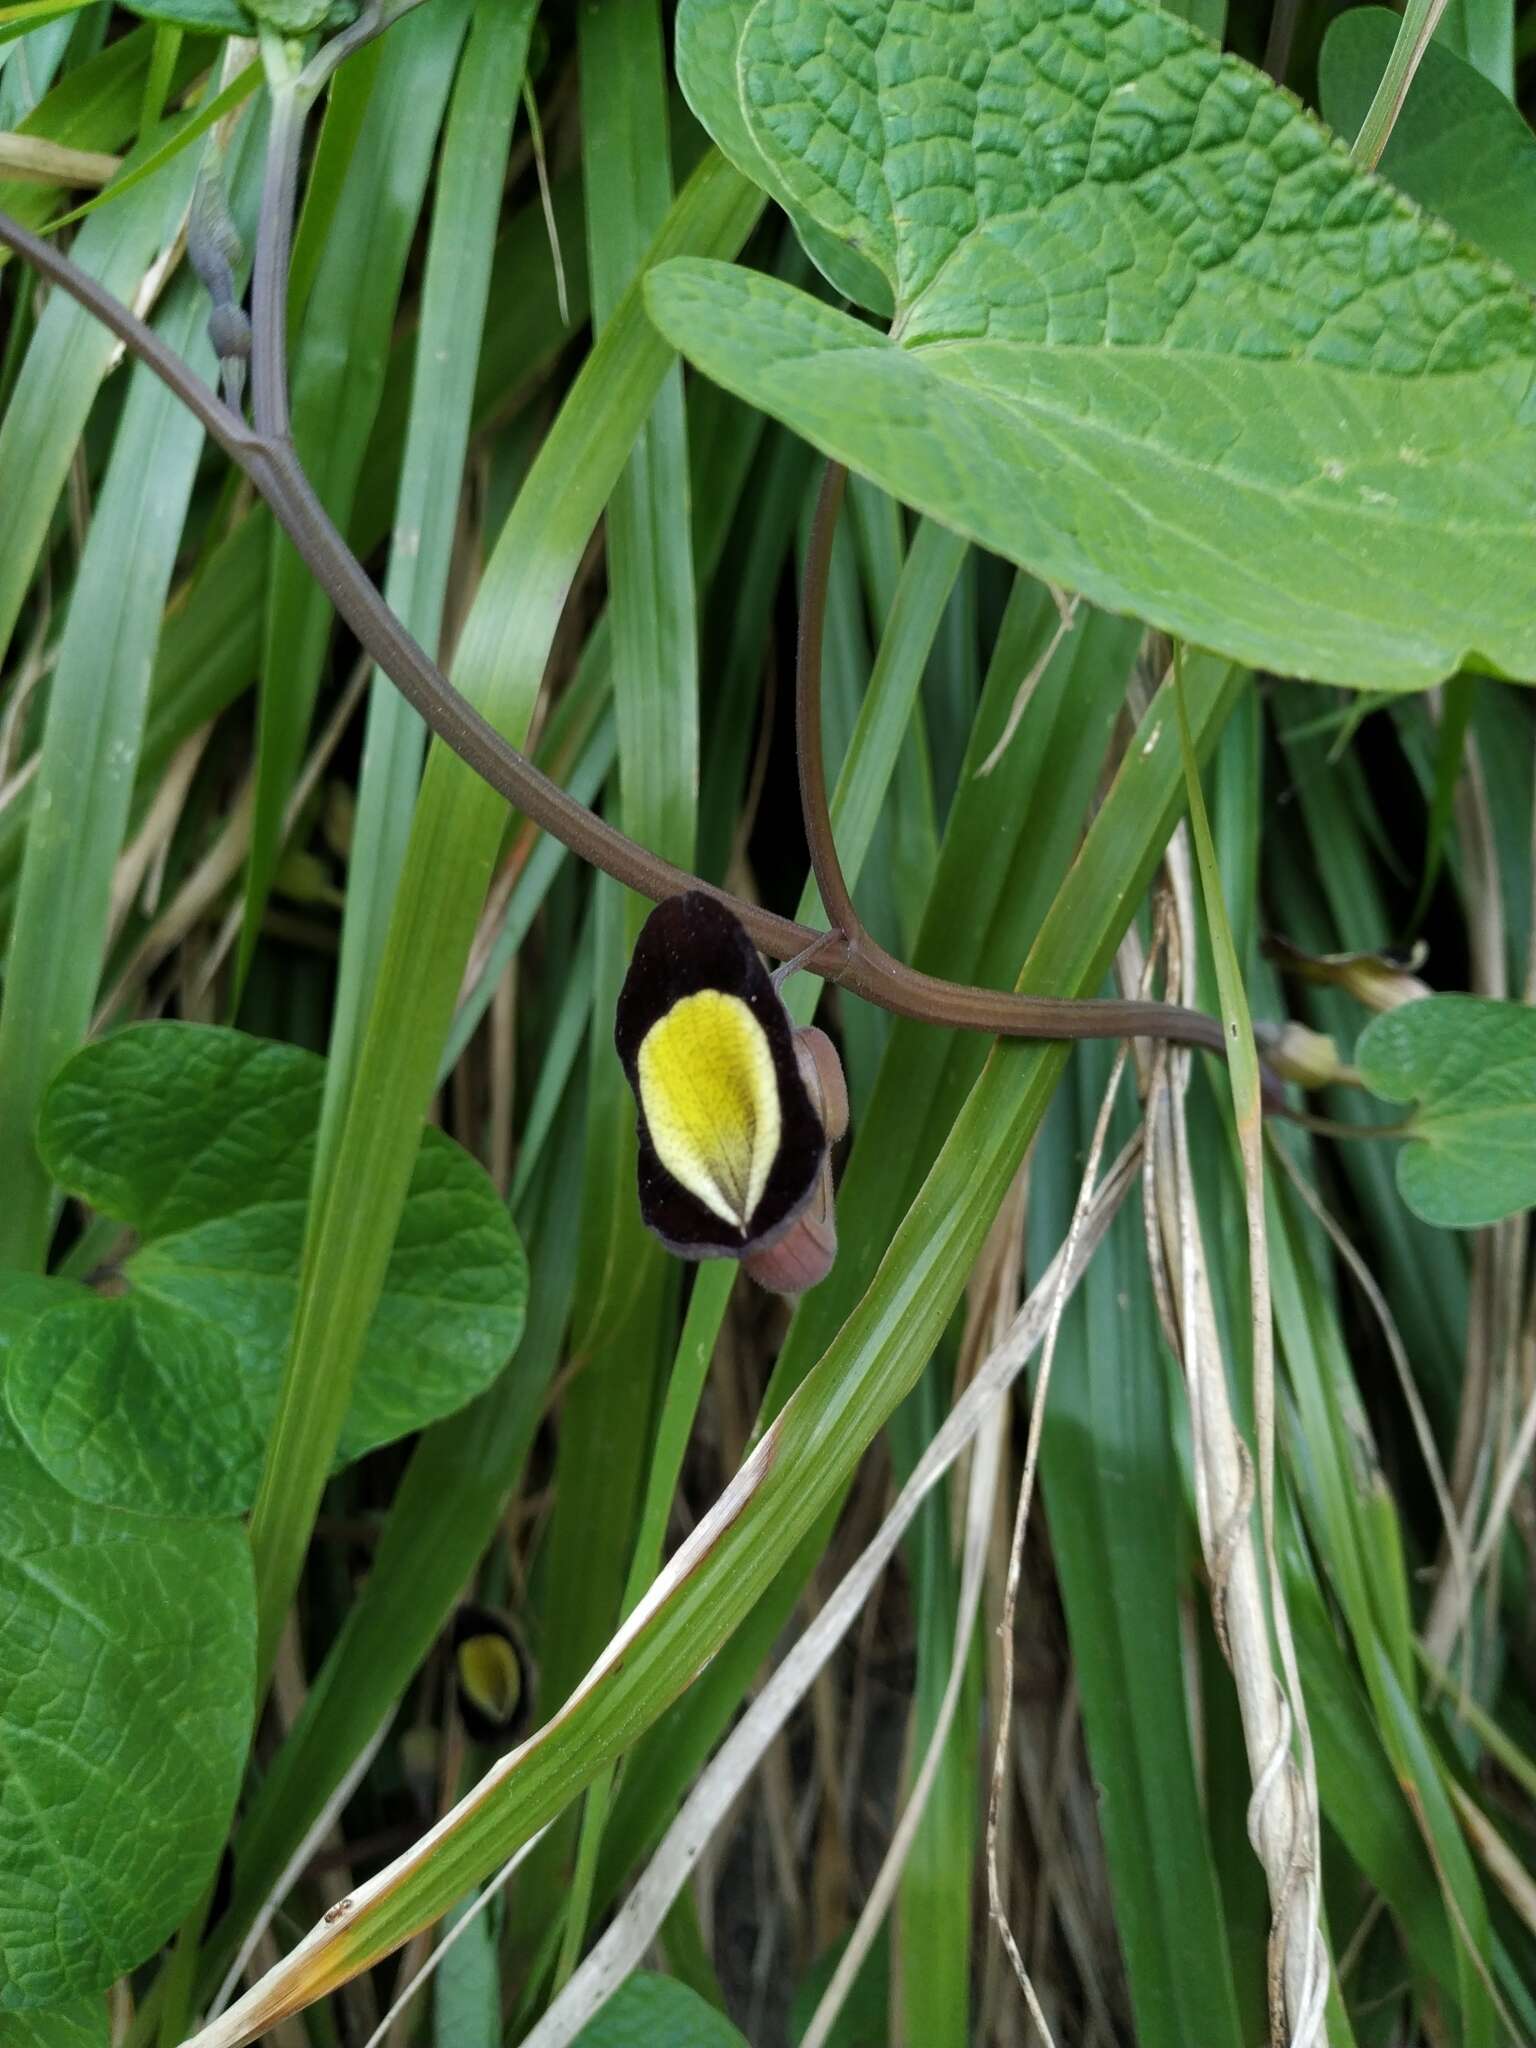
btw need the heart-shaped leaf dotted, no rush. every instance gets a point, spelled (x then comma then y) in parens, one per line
(1156, 337)
(23, 1298)
(203, 1141)
(647, 2009)
(132, 1402)
(1470, 1066)
(80, 2025)
(125, 1708)
(1458, 146)
(170, 1126)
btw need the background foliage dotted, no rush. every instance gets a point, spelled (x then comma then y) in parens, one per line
(317, 1164)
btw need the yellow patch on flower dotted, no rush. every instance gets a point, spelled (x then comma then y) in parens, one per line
(491, 1676)
(711, 1101)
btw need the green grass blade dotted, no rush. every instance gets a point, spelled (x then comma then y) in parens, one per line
(1010, 840)
(627, 170)
(31, 14)
(338, 375)
(393, 1622)
(457, 830)
(1111, 1482)
(95, 105)
(869, 761)
(85, 781)
(457, 1481)
(824, 1431)
(622, 1328)
(476, 141)
(182, 136)
(60, 377)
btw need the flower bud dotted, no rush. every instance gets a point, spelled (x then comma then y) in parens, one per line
(1309, 1058)
(1381, 981)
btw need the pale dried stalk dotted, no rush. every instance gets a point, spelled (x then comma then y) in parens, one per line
(422, 1977)
(1069, 1868)
(153, 836)
(1509, 1873)
(635, 1926)
(1066, 619)
(1284, 1822)
(202, 889)
(310, 774)
(37, 161)
(25, 774)
(981, 1498)
(297, 1863)
(1515, 1469)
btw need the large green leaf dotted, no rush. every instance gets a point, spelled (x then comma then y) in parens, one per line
(647, 2009)
(203, 1141)
(708, 38)
(1156, 337)
(1470, 1065)
(80, 2025)
(1458, 147)
(23, 1298)
(125, 1707)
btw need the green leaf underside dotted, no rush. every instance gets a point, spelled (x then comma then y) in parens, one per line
(1470, 1065)
(203, 1141)
(646, 2009)
(1147, 309)
(230, 17)
(125, 1704)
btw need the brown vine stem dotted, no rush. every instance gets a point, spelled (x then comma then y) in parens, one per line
(849, 956)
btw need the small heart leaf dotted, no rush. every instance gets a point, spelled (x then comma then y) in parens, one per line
(1470, 1066)
(130, 1402)
(647, 2009)
(125, 1710)
(203, 1141)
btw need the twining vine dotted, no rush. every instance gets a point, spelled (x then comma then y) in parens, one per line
(263, 449)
